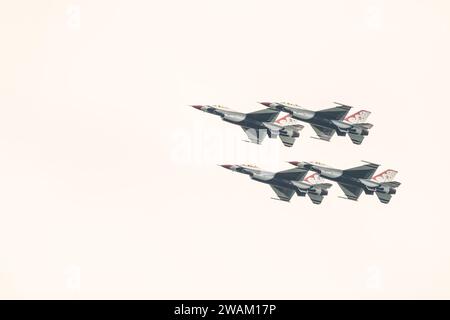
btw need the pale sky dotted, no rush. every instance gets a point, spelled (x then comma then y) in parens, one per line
(109, 184)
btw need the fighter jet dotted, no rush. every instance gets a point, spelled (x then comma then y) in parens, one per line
(354, 180)
(328, 121)
(257, 124)
(286, 183)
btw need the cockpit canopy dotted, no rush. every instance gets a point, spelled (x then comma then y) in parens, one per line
(317, 163)
(252, 166)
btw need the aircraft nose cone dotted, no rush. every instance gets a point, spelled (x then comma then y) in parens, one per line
(267, 104)
(226, 166)
(197, 107)
(294, 163)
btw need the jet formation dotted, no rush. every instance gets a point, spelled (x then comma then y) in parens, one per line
(352, 181)
(258, 124)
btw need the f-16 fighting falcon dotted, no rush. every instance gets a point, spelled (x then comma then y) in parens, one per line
(328, 121)
(354, 180)
(257, 124)
(286, 183)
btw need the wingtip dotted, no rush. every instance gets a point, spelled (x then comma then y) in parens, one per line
(372, 163)
(343, 105)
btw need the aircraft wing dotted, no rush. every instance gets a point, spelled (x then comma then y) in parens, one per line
(363, 172)
(295, 174)
(351, 192)
(283, 194)
(264, 115)
(255, 135)
(324, 133)
(336, 113)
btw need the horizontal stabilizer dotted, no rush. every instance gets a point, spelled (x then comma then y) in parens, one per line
(365, 125)
(287, 141)
(315, 198)
(323, 185)
(384, 197)
(356, 138)
(296, 127)
(392, 184)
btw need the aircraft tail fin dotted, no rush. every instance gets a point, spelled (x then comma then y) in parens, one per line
(358, 117)
(385, 176)
(314, 178)
(287, 121)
